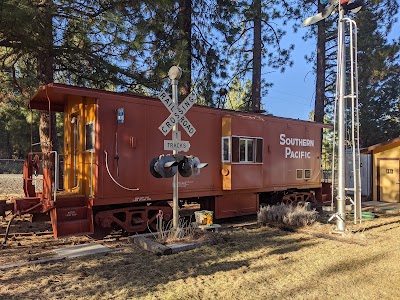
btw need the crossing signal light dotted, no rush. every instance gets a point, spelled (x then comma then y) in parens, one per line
(353, 5)
(164, 166)
(190, 165)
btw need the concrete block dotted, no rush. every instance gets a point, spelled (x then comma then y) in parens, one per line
(81, 250)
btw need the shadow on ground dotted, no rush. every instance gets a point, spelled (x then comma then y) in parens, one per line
(140, 272)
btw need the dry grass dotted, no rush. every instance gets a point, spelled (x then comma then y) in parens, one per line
(260, 263)
(166, 234)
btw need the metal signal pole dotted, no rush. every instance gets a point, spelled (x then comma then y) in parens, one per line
(341, 65)
(174, 74)
(340, 98)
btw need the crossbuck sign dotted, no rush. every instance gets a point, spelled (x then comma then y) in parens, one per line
(177, 114)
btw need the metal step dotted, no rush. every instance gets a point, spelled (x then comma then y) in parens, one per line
(65, 214)
(71, 200)
(71, 216)
(76, 227)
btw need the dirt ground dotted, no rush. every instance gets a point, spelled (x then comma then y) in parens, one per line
(248, 262)
(33, 241)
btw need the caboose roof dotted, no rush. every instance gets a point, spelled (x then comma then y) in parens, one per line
(54, 96)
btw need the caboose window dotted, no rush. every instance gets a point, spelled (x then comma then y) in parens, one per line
(226, 149)
(246, 150)
(299, 174)
(89, 136)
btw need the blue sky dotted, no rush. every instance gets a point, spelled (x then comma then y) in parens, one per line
(292, 95)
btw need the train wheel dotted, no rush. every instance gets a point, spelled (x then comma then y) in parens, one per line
(102, 227)
(100, 232)
(166, 216)
(288, 199)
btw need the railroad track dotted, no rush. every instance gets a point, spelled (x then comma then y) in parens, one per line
(226, 224)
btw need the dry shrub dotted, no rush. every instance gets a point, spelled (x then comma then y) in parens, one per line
(167, 235)
(286, 214)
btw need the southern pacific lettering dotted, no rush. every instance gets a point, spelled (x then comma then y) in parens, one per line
(290, 141)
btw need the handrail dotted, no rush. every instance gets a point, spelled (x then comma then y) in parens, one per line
(91, 174)
(112, 178)
(56, 174)
(56, 171)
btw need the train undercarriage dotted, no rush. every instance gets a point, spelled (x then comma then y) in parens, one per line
(74, 214)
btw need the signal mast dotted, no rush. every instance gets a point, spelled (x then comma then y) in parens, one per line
(346, 110)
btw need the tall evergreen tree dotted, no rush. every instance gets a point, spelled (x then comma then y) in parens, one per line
(323, 57)
(378, 63)
(79, 42)
(379, 69)
(253, 39)
(239, 95)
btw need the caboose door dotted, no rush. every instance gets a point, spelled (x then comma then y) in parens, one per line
(79, 146)
(123, 138)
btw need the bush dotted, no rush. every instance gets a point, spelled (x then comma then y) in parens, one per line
(166, 234)
(286, 214)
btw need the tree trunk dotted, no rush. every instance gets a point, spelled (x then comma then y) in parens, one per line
(320, 85)
(185, 26)
(256, 84)
(45, 59)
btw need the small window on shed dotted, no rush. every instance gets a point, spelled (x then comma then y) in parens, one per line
(226, 149)
(299, 174)
(89, 136)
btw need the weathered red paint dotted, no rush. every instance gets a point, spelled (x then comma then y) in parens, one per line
(288, 148)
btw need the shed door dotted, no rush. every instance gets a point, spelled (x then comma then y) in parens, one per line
(389, 180)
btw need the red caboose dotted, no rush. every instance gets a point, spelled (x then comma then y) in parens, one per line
(103, 179)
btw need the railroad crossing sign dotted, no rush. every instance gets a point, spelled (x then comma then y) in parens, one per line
(177, 114)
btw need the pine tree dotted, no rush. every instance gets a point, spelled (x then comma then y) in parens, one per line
(239, 95)
(379, 69)
(378, 63)
(252, 39)
(83, 43)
